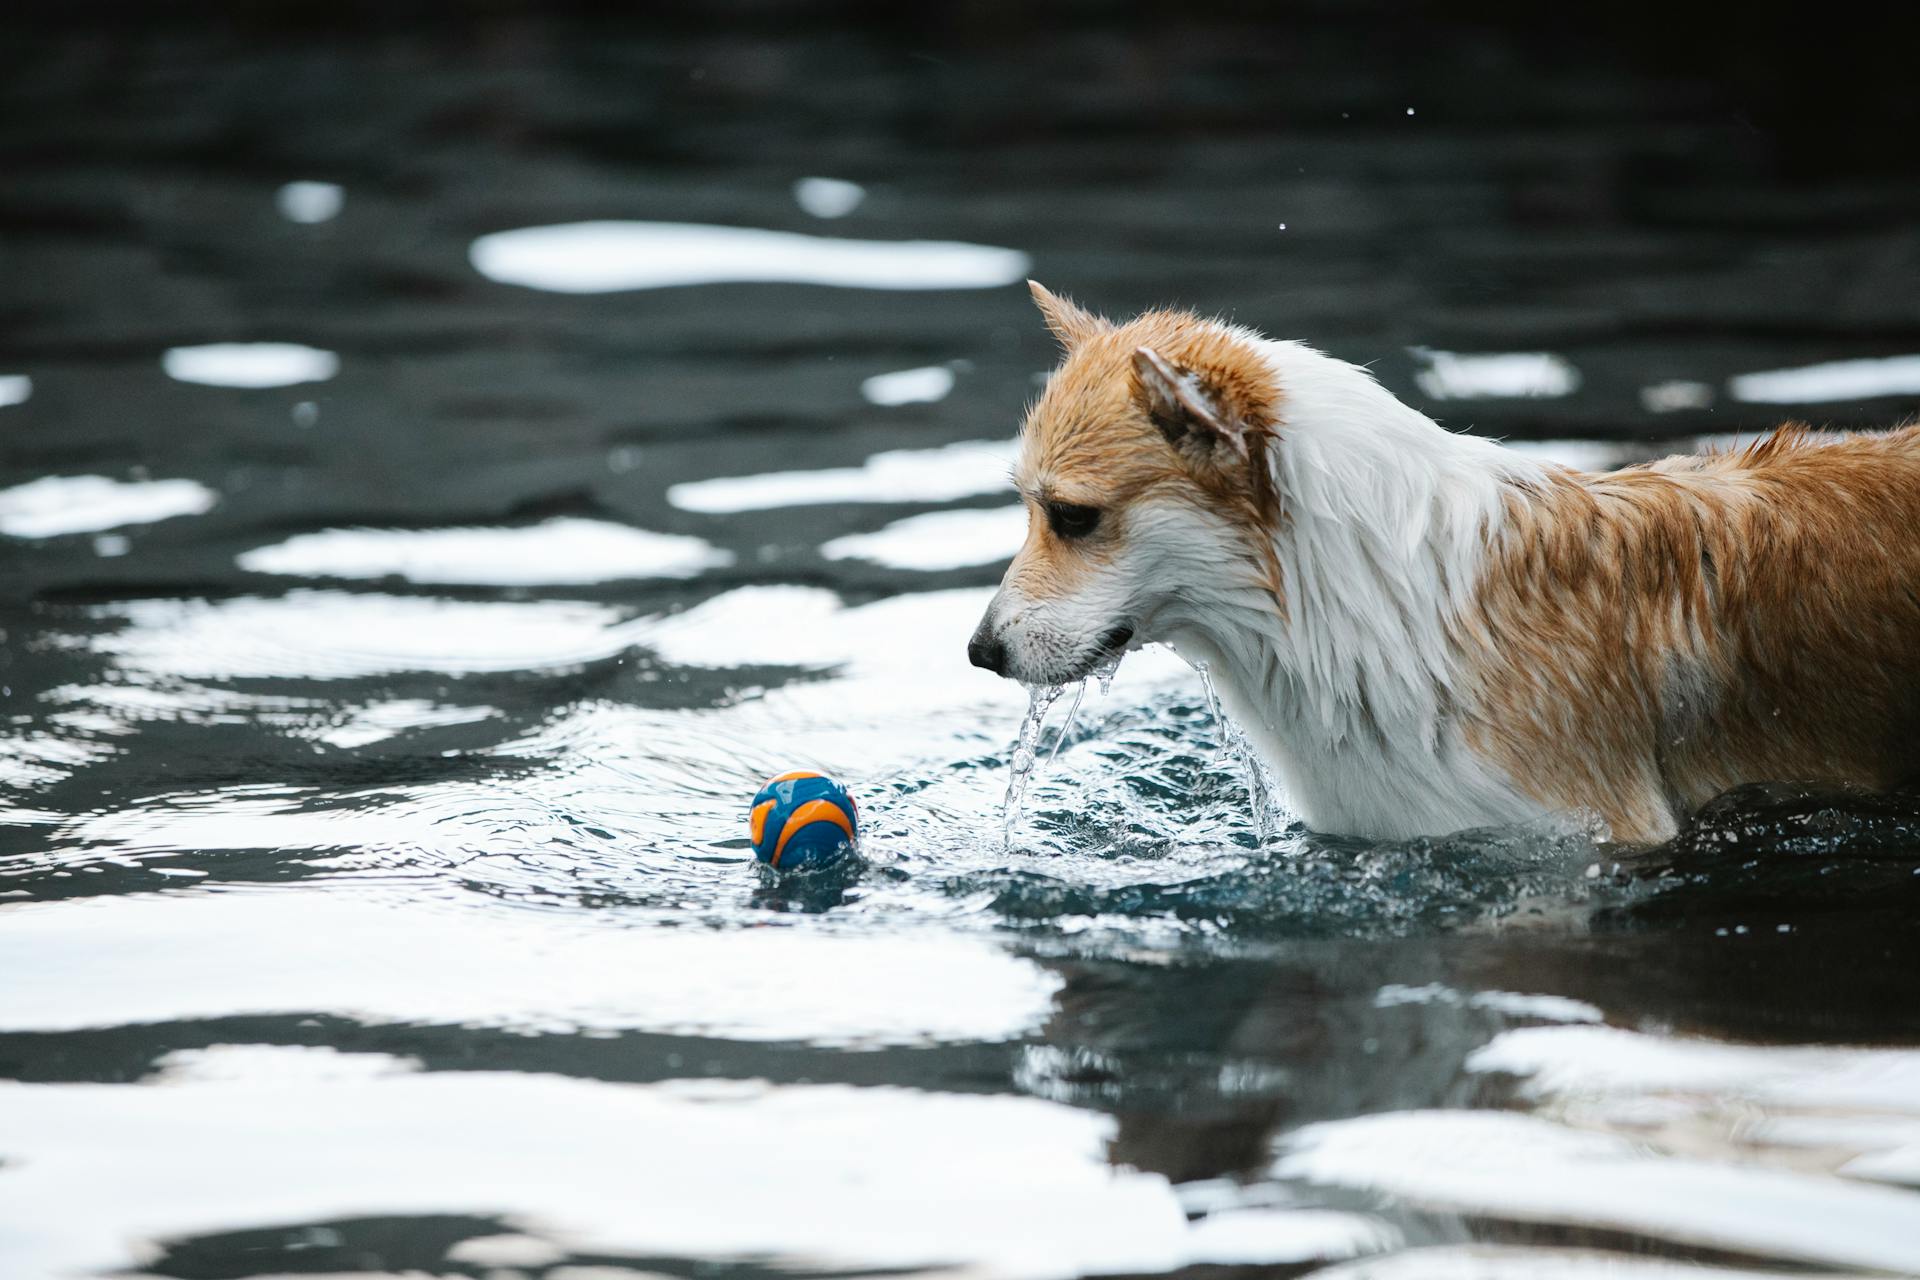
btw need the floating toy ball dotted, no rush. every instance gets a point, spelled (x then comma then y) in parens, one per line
(802, 819)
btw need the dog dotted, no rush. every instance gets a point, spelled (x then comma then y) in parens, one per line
(1423, 631)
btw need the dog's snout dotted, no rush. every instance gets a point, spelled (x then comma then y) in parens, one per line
(987, 650)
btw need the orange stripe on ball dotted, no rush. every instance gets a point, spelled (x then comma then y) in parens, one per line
(757, 824)
(791, 775)
(810, 812)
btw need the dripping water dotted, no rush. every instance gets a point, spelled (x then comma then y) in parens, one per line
(1260, 786)
(1040, 698)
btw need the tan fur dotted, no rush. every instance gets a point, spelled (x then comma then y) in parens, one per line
(1090, 439)
(1645, 639)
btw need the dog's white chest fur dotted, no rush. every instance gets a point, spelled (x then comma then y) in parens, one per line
(1349, 694)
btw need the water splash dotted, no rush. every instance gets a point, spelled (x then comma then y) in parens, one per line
(1040, 699)
(1261, 789)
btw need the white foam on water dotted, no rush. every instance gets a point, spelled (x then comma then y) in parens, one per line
(938, 540)
(609, 257)
(15, 388)
(828, 197)
(1828, 383)
(56, 505)
(909, 386)
(250, 364)
(1530, 1169)
(561, 551)
(1508, 375)
(902, 475)
(310, 202)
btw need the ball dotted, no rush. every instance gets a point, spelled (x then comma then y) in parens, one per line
(802, 819)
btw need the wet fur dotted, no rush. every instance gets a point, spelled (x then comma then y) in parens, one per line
(1424, 632)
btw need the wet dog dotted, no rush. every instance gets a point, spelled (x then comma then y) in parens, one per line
(1422, 631)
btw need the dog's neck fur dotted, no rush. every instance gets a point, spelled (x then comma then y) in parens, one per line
(1349, 688)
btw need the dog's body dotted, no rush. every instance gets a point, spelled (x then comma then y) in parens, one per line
(1423, 631)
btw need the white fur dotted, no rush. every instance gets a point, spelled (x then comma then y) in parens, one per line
(1384, 540)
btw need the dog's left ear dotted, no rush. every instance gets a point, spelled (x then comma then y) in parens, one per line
(1198, 412)
(1072, 325)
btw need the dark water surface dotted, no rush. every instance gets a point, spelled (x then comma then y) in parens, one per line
(382, 708)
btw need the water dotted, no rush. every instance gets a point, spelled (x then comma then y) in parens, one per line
(386, 672)
(1040, 699)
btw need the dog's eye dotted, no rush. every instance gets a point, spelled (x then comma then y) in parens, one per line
(1071, 521)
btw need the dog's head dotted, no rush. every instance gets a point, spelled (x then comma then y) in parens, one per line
(1148, 491)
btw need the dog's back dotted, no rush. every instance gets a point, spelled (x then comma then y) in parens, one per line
(1656, 635)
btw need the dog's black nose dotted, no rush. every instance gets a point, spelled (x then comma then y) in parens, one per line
(985, 650)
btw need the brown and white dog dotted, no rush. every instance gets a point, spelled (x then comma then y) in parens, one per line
(1422, 631)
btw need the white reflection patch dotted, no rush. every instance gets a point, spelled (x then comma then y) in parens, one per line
(378, 721)
(558, 552)
(1528, 1169)
(901, 475)
(250, 364)
(345, 954)
(938, 540)
(1511, 1262)
(828, 197)
(15, 388)
(1581, 455)
(1675, 396)
(1852, 1110)
(335, 635)
(1527, 375)
(56, 505)
(1517, 1004)
(310, 202)
(608, 257)
(894, 1179)
(909, 386)
(1827, 383)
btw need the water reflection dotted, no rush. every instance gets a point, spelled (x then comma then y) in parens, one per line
(333, 635)
(310, 202)
(909, 386)
(607, 257)
(250, 364)
(55, 505)
(897, 475)
(558, 552)
(1834, 381)
(1453, 375)
(828, 197)
(937, 540)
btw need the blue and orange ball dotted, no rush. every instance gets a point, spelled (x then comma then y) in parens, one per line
(802, 819)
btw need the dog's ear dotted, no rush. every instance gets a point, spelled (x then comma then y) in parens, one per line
(1197, 414)
(1069, 323)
